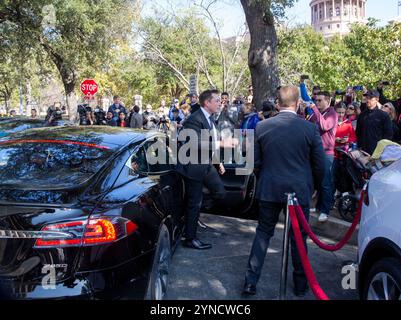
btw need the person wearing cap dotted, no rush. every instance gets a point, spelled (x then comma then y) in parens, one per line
(175, 104)
(373, 124)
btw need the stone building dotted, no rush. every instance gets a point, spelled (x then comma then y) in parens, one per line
(331, 17)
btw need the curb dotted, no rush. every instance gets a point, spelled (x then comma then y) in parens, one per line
(334, 229)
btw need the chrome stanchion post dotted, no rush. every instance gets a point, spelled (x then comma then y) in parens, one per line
(284, 260)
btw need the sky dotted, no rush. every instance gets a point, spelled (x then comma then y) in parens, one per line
(230, 12)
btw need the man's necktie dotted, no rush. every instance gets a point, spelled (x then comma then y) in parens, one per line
(211, 122)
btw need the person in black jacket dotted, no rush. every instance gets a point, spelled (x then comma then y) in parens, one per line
(289, 155)
(373, 124)
(195, 106)
(199, 173)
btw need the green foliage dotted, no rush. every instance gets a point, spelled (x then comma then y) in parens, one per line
(366, 56)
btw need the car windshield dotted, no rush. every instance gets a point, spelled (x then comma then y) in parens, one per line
(49, 163)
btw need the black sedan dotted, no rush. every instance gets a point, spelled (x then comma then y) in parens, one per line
(84, 215)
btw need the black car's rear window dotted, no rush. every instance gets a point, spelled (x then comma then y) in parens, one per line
(49, 163)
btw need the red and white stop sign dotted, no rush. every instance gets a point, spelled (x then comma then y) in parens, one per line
(89, 87)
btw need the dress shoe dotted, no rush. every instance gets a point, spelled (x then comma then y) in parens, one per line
(301, 293)
(196, 244)
(249, 289)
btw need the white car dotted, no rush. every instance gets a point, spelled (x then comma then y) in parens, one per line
(379, 238)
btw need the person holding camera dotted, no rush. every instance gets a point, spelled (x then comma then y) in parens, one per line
(149, 118)
(326, 119)
(380, 89)
(54, 113)
(304, 91)
(89, 118)
(99, 116)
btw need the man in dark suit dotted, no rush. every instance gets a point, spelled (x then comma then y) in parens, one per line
(288, 157)
(198, 173)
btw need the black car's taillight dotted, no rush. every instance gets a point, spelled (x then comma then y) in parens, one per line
(87, 232)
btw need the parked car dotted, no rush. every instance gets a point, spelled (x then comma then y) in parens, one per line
(240, 196)
(380, 236)
(83, 214)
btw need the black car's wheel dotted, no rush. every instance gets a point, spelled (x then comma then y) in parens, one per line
(384, 280)
(157, 286)
(347, 206)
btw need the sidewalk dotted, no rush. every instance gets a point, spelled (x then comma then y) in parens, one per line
(218, 274)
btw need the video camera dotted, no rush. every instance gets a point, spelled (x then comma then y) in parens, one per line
(163, 119)
(54, 114)
(238, 101)
(82, 109)
(340, 93)
(100, 116)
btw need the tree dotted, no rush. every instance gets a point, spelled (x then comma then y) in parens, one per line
(262, 55)
(72, 33)
(179, 43)
(367, 55)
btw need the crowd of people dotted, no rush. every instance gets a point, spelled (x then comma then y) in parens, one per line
(353, 118)
(359, 119)
(238, 113)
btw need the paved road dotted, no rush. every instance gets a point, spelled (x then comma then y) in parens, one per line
(218, 274)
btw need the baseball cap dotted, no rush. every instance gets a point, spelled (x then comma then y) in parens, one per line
(372, 94)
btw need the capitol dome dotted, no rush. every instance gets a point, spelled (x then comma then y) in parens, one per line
(331, 17)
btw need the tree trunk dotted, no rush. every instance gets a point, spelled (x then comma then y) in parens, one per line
(71, 98)
(262, 54)
(69, 78)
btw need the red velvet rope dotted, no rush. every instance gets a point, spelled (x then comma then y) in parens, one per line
(347, 236)
(317, 290)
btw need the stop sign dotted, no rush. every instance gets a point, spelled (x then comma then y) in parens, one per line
(89, 87)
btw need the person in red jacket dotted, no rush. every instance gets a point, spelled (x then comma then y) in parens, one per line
(121, 122)
(345, 135)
